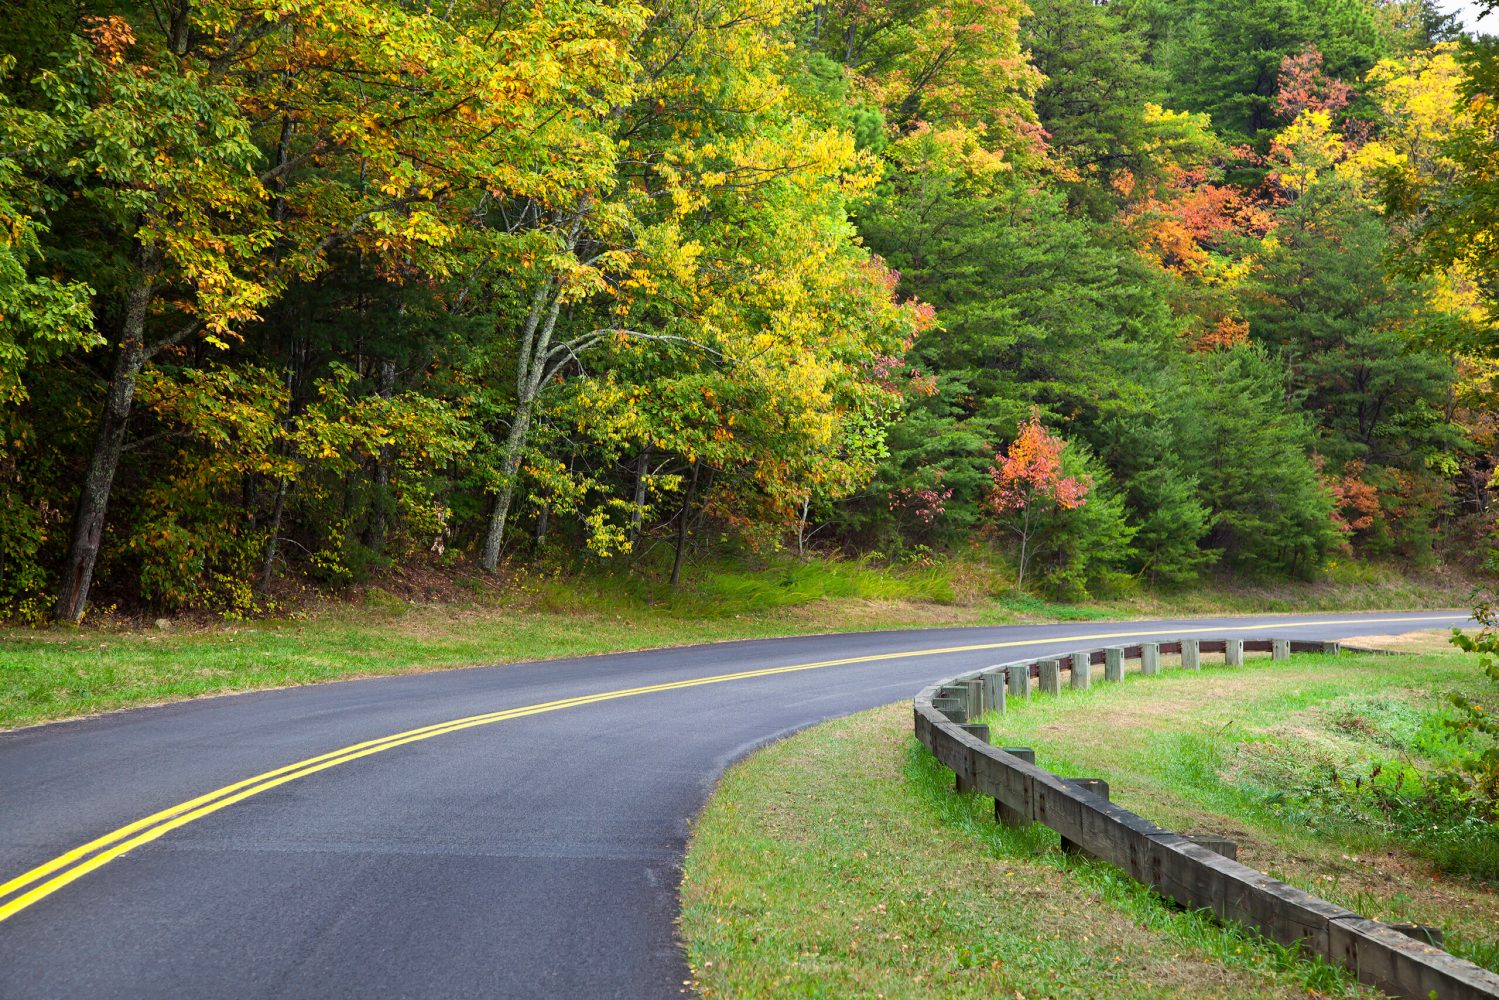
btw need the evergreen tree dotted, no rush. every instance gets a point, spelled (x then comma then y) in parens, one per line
(1035, 309)
(1092, 104)
(1251, 454)
(1223, 56)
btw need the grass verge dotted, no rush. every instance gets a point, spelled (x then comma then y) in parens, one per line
(838, 863)
(425, 623)
(1316, 767)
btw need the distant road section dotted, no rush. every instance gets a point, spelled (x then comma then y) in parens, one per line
(510, 831)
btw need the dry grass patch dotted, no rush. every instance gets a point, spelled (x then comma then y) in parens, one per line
(1436, 640)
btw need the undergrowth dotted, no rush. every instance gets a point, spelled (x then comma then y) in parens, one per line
(1365, 766)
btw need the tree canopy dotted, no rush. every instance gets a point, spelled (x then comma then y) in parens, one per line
(304, 291)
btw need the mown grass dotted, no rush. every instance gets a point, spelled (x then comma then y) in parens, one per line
(1317, 767)
(961, 591)
(839, 863)
(58, 673)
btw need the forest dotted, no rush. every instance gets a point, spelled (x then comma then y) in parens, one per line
(1124, 292)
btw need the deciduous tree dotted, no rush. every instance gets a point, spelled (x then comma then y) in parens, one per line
(1029, 485)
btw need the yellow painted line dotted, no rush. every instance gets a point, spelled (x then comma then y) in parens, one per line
(158, 824)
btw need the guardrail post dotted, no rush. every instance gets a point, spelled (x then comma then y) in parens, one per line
(1233, 652)
(953, 708)
(1018, 676)
(1051, 676)
(1150, 658)
(1218, 845)
(1082, 670)
(1425, 933)
(1332, 648)
(976, 700)
(1003, 814)
(982, 733)
(1098, 787)
(1191, 654)
(994, 689)
(1113, 663)
(1280, 649)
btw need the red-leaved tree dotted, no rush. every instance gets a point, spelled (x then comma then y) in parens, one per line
(1302, 85)
(1029, 484)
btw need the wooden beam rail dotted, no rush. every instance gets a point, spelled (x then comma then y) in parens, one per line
(1189, 873)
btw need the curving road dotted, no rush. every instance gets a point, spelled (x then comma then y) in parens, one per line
(520, 837)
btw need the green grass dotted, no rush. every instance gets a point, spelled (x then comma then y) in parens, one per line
(61, 673)
(1316, 767)
(57, 673)
(839, 863)
(802, 583)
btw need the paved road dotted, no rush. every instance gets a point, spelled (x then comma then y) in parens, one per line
(531, 852)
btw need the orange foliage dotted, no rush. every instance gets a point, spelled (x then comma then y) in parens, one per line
(112, 37)
(1030, 473)
(1230, 331)
(1188, 218)
(1355, 502)
(1303, 86)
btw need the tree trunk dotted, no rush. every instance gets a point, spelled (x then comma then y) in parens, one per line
(1025, 540)
(296, 359)
(109, 442)
(676, 562)
(515, 444)
(801, 528)
(642, 468)
(536, 341)
(380, 502)
(275, 536)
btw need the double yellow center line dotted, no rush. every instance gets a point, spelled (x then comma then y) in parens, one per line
(64, 869)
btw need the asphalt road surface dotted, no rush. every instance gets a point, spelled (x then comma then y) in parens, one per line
(522, 837)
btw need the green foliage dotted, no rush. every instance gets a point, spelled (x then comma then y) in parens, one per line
(40, 318)
(325, 289)
(1093, 101)
(1034, 309)
(203, 528)
(1223, 56)
(1348, 335)
(1080, 550)
(1250, 454)
(1473, 779)
(1161, 496)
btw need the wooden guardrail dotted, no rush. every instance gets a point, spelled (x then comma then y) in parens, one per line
(1187, 870)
